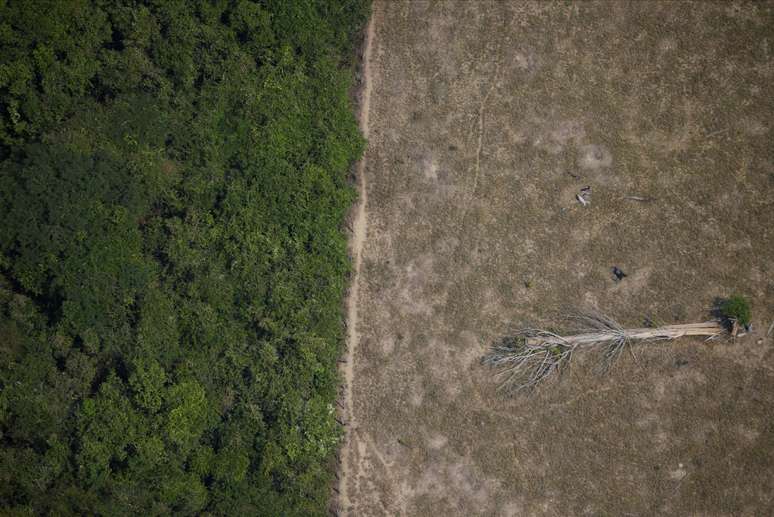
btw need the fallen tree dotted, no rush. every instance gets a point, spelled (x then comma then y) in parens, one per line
(531, 356)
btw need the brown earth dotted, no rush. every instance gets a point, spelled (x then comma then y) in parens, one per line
(486, 119)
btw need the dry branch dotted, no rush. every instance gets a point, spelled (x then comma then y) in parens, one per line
(531, 356)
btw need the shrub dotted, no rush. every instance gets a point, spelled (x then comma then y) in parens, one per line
(736, 308)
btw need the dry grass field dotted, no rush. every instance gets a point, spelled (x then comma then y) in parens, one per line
(486, 119)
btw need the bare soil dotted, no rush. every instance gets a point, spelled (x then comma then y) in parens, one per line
(485, 121)
(359, 227)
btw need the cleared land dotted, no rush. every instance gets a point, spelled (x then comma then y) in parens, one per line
(486, 119)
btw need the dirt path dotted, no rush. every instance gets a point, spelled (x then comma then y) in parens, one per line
(357, 239)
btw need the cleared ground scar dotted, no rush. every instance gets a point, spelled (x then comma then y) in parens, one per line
(462, 242)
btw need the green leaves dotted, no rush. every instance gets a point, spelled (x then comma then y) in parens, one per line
(148, 384)
(173, 184)
(107, 425)
(49, 54)
(187, 416)
(736, 308)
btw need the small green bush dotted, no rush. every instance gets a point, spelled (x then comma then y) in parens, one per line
(736, 308)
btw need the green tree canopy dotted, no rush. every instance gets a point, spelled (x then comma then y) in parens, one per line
(173, 183)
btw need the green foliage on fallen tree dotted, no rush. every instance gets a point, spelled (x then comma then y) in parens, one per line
(173, 183)
(736, 308)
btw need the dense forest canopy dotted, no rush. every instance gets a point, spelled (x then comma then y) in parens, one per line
(173, 182)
